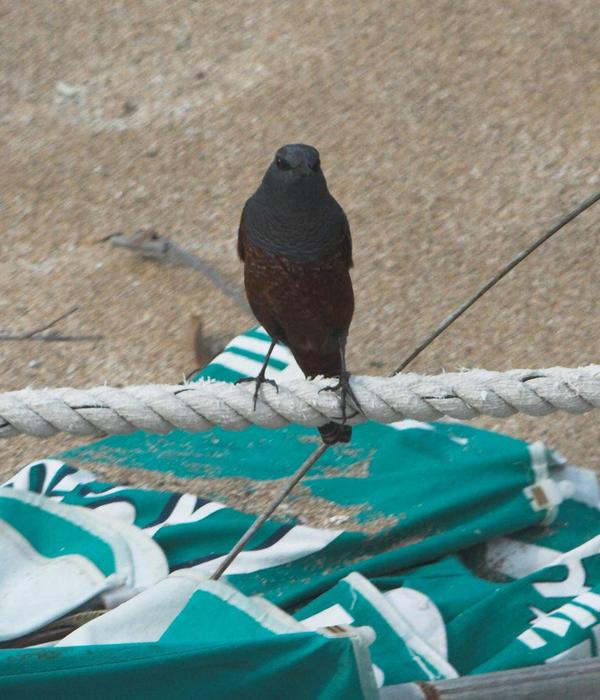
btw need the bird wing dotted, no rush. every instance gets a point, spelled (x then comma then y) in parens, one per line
(347, 243)
(240, 245)
(240, 241)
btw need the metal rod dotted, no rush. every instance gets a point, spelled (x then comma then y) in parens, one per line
(586, 204)
(284, 491)
(567, 679)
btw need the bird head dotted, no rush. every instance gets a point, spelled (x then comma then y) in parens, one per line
(298, 160)
(296, 168)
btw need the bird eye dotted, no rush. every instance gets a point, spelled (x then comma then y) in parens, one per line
(316, 165)
(282, 164)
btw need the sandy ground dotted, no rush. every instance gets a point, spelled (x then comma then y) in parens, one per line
(452, 132)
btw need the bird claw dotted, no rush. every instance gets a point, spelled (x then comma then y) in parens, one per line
(259, 380)
(344, 385)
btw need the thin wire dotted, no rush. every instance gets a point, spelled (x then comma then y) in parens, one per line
(281, 495)
(586, 204)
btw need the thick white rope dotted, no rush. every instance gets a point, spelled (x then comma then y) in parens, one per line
(202, 405)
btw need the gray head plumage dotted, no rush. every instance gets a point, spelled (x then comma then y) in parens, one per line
(293, 212)
(295, 174)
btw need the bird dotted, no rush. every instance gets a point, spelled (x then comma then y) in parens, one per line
(295, 243)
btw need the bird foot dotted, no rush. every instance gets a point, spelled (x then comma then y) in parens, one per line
(259, 380)
(346, 390)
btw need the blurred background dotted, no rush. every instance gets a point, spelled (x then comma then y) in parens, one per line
(452, 132)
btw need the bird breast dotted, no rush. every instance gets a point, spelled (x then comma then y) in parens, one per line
(304, 304)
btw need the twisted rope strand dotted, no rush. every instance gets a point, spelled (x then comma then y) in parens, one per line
(202, 405)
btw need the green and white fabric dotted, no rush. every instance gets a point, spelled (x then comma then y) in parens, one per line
(551, 598)
(188, 609)
(462, 550)
(55, 558)
(410, 637)
(425, 489)
(187, 637)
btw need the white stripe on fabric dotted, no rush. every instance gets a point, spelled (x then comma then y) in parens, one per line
(557, 625)
(581, 617)
(299, 542)
(244, 365)
(124, 511)
(411, 424)
(532, 639)
(591, 600)
(261, 347)
(184, 513)
(333, 615)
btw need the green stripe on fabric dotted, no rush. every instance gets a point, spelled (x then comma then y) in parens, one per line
(37, 475)
(53, 536)
(294, 666)
(219, 373)
(223, 622)
(256, 333)
(210, 537)
(277, 364)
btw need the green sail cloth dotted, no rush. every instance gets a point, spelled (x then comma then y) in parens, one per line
(548, 607)
(418, 491)
(405, 500)
(287, 666)
(401, 651)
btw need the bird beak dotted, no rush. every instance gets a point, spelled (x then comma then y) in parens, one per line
(304, 169)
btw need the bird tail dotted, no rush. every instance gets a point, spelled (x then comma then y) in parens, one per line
(331, 433)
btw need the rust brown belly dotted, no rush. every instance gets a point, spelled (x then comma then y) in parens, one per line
(307, 306)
